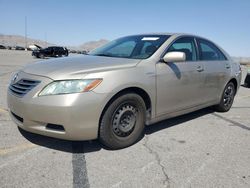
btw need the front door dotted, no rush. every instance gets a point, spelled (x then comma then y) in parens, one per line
(180, 84)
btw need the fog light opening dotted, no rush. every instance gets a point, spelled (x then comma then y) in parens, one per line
(17, 117)
(55, 127)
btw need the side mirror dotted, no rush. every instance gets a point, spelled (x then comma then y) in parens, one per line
(174, 57)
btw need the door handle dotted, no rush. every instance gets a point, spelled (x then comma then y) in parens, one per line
(199, 68)
(228, 66)
(151, 74)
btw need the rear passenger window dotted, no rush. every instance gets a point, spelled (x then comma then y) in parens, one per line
(209, 52)
(186, 45)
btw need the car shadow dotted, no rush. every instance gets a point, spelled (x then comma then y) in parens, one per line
(62, 145)
(93, 146)
(177, 120)
(175, 69)
(245, 85)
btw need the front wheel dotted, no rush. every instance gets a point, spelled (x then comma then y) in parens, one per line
(122, 124)
(227, 98)
(41, 56)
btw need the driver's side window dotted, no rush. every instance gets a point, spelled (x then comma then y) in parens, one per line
(186, 45)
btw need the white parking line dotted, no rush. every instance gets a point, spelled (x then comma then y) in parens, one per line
(243, 97)
(3, 110)
(5, 151)
(20, 157)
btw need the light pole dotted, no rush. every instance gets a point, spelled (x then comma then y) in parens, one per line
(26, 33)
(45, 37)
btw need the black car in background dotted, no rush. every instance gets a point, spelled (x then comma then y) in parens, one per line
(2, 47)
(52, 51)
(247, 79)
(19, 48)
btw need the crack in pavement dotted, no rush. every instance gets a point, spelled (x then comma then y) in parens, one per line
(166, 182)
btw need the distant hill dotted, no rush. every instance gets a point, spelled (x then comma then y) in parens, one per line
(18, 40)
(242, 60)
(93, 44)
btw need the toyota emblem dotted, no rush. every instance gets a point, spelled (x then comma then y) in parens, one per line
(15, 77)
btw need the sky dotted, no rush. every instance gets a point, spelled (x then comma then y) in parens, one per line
(73, 22)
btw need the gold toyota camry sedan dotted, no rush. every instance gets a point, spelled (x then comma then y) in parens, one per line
(114, 91)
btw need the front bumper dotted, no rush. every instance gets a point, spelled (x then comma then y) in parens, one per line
(77, 114)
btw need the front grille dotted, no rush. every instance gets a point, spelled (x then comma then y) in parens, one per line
(23, 86)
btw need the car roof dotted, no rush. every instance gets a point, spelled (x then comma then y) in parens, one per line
(54, 47)
(169, 34)
(172, 35)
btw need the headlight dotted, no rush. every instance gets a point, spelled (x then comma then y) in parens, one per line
(70, 86)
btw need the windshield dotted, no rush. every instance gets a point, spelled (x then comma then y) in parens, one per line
(133, 47)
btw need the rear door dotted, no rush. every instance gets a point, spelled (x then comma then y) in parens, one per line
(180, 85)
(216, 69)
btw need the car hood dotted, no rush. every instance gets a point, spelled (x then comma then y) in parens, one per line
(62, 68)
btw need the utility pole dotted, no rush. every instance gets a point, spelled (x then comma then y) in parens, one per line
(26, 33)
(45, 38)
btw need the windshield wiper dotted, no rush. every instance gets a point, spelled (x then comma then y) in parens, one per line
(105, 55)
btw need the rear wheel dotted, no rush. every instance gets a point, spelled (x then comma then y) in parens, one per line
(122, 124)
(247, 81)
(227, 98)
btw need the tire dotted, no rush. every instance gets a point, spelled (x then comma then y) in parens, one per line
(227, 98)
(41, 56)
(122, 123)
(247, 81)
